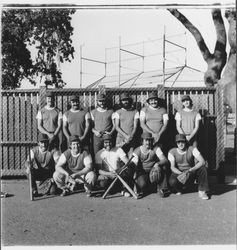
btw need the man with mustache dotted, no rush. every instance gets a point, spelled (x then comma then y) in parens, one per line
(76, 121)
(101, 122)
(154, 119)
(126, 123)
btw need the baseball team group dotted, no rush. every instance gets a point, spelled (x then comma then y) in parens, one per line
(101, 143)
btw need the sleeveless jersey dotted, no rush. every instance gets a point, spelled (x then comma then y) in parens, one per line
(43, 159)
(75, 164)
(76, 122)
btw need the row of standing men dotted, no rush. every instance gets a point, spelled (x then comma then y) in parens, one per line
(151, 165)
(123, 123)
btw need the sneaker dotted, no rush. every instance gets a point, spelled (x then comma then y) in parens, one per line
(163, 193)
(178, 193)
(87, 191)
(65, 192)
(203, 195)
(36, 194)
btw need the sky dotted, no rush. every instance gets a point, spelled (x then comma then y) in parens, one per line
(96, 31)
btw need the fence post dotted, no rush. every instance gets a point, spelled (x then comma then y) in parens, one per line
(220, 125)
(42, 96)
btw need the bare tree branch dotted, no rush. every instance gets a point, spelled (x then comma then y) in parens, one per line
(194, 31)
(220, 32)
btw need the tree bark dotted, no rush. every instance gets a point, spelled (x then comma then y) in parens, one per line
(228, 79)
(217, 60)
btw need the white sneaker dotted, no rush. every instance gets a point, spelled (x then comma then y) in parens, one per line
(203, 195)
(178, 193)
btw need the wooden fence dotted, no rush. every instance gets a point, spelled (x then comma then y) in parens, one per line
(19, 108)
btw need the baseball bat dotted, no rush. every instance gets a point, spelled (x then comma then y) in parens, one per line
(30, 178)
(113, 182)
(122, 180)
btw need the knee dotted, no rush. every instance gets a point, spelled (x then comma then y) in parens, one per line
(57, 176)
(91, 177)
(104, 183)
(173, 181)
(202, 170)
(141, 182)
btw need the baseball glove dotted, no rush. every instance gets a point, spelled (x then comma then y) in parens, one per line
(154, 175)
(44, 186)
(183, 177)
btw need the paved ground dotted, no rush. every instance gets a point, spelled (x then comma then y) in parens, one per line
(79, 220)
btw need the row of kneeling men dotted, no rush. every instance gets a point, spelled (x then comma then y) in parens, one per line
(147, 169)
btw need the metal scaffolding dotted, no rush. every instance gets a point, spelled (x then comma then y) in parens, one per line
(160, 75)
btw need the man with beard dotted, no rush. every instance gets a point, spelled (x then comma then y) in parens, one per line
(114, 156)
(74, 165)
(43, 165)
(101, 122)
(76, 121)
(154, 119)
(187, 159)
(152, 167)
(50, 121)
(126, 123)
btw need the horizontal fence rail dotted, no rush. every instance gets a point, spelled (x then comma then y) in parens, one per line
(19, 124)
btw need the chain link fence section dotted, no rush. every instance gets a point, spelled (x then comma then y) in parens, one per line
(19, 128)
(19, 124)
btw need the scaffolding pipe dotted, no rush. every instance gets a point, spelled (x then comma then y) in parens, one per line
(164, 57)
(119, 60)
(124, 50)
(81, 66)
(92, 60)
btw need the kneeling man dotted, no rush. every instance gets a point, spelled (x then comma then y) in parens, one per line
(74, 165)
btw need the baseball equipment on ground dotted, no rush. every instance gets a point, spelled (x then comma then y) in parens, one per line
(118, 177)
(183, 177)
(30, 176)
(4, 194)
(44, 186)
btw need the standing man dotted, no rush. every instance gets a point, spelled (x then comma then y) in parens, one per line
(187, 159)
(114, 156)
(76, 121)
(43, 165)
(154, 119)
(74, 164)
(188, 121)
(126, 123)
(50, 121)
(152, 166)
(101, 122)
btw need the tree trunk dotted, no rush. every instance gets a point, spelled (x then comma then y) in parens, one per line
(217, 60)
(228, 79)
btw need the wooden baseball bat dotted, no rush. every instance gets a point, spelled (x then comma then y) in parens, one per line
(30, 177)
(122, 180)
(113, 182)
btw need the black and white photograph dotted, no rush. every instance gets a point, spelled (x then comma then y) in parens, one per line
(118, 124)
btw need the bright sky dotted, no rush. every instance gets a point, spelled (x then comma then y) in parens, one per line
(96, 29)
